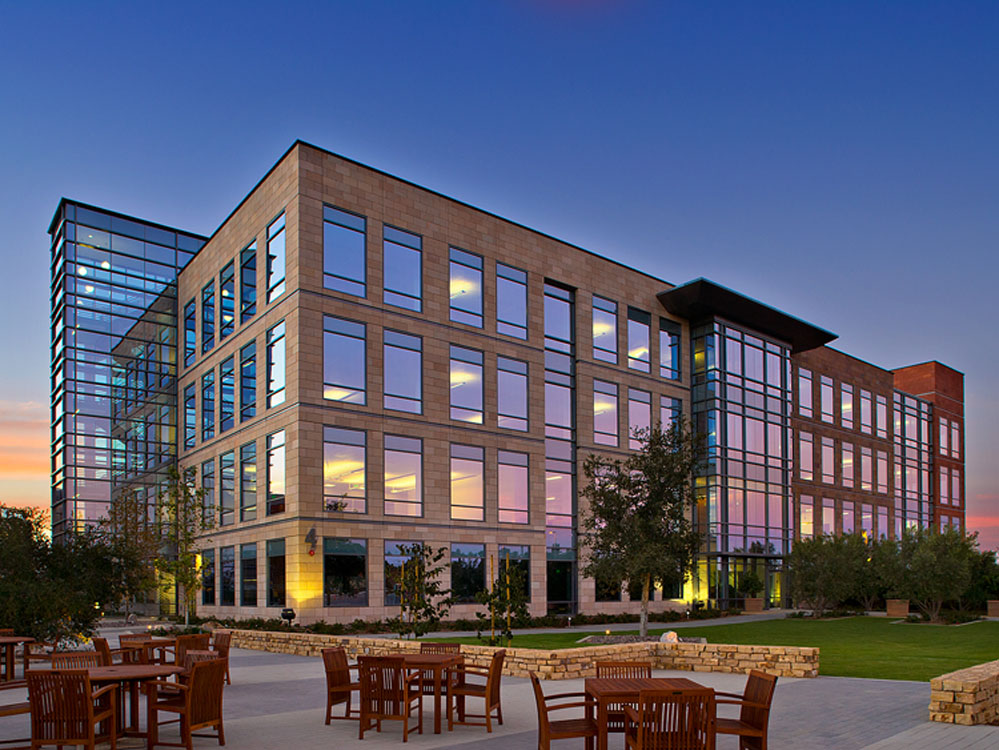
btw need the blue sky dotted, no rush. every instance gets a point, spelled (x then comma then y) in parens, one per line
(837, 160)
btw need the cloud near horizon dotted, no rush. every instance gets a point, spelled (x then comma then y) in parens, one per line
(24, 454)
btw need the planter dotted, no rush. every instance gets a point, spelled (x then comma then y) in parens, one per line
(898, 607)
(993, 608)
(753, 604)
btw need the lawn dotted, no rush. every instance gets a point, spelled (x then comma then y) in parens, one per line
(850, 647)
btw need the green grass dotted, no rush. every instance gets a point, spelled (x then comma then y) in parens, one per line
(850, 647)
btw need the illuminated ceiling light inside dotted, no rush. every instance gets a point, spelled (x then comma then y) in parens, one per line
(88, 289)
(105, 265)
(83, 271)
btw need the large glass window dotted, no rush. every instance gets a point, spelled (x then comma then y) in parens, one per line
(467, 493)
(248, 381)
(208, 577)
(605, 423)
(466, 385)
(826, 398)
(227, 394)
(670, 410)
(345, 572)
(395, 557)
(511, 301)
(208, 318)
(604, 330)
(516, 557)
(804, 392)
(248, 482)
(190, 333)
(849, 521)
(511, 392)
(275, 573)
(828, 461)
(881, 416)
(275, 259)
(227, 300)
(248, 575)
(846, 405)
(866, 469)
(344, 470)
(402, 258)
(806, 456)
(208, 405)
(227, 587)
(865, 412)
(638, 339)
(208, 485)
(344, 265)
(514, 496)
(669, 349)
(403, 367)
(468, 571)
(248, 283)
(344, 366)
(806, 527)
(639, 415)
(466, 288)
(227, 488)
(882, 474)
(275, 473)
(828, 516)
(403, 476)
(275, 365)
(190, 417)
(847, 464)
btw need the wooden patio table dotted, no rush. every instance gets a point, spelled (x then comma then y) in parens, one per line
(436, 663)
(132, 675)
(8, 642)
(606, 691)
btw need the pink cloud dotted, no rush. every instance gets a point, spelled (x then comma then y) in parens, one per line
(24, 454)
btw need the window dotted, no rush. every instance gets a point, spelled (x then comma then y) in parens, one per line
(881, 416)
(227, 394)
(828, 468)
(190, 334)
(227, 565)
(275, 573)
(248, 283)
(846, 405)
(208, 577)
(190, 417)
(208, 318)
(805, 456)
(670, 410)
(468, 571)
(275, 259)
(605, 424)
(882, 522)
(944, 485)
(275, 365)
(248, 482)
(403, 367)
(511, 394)
(867, 520)
(955, 486)
(344, 258)
(826, 398)
(344, 364)
(403, 476)
(638, 339)
(208, 485)
(344, 470)
(955, 440)
(669, 349)
(466, 385)
(514, 496)
(849, 517)
(516, 557)
(396, 555)
(804, 392)
(402, 255)
(511, 301)
(828, 516)
(882, 472)
(345, 572)
(208, 405)
(248, 381)
(865, 412)
(606, 589)
(944, 432)
(248, 575)
(604, 330)
(227, 300)
(846, 454)
(806, 528)
(275, 473)
(227, 488)
(866, 469)
(466, 288)
(467, 499)
(639, 416)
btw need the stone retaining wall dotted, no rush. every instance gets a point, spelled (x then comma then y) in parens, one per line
(561, 664)
(967, 696)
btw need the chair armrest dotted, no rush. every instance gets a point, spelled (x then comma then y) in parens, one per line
(750, 704)
(477, 671)
(164, 683)
(578, 704)
(730, 695)
(556, 696)
(106, 689)
(13, 684)
(630, 715)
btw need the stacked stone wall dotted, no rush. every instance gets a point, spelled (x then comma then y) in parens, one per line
(967, 696)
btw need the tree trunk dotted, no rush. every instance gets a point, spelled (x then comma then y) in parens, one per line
(643, 620)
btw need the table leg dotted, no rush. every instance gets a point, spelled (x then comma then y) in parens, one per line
(437, 699)
(133, 708)
(602, 724)
(8, 661)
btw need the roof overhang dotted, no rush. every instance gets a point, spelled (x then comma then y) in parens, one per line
(701, 300)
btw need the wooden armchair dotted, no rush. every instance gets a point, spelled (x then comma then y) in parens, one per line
(197, 703)
(621, 670)
(108, 654)
(459, 689)
(15, 709)
(65, 710)
(134, 647)
(185, 643)
(671, 720)
(77, 659)
(562, 729)
(436, 648)
(339, 687)
(387, 692)
(221, 640)
(37, 651)
(754, 717)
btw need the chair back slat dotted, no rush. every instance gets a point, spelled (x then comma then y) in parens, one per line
(676, 719)
(193, 657)
(204, 698)
(760, 688)
(61, 706)
(77, 659)
(101, 646)
(440, 648)
(544, 726)
(383, 686)
(193, 642)
(337, 670)
(221, 640)
(624, 670)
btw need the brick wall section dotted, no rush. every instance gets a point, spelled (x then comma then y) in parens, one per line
(968, 696)
(563, 664)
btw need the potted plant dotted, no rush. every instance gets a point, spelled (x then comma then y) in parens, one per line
(752, 586)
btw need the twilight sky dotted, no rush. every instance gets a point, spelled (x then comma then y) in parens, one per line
(839, 161)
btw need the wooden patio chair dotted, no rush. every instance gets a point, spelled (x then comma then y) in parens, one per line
(388, 693)
(221, 641)
(15, 709)
(135, 655)
(339, 687)
(102, 647)
(185, 643)
(623, 670)
(561, 729)
(197, 703)
(38, 651)
(459, 689)
(65, 710)
(754, 717)
(671, 720)
(428, 675)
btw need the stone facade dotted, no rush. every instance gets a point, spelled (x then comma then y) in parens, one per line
(561, 664)
(968, 696)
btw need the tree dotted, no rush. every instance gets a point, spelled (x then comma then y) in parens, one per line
(984, 583)
(506, 603)
(424, 601)
(134, 539)
(637, 525)
(182, 521)
(876, 564)
(935, 567)
(823, 572)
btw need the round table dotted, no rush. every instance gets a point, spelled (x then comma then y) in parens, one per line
(8, 642)
(133, 675)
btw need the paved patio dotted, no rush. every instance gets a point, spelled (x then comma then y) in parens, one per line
(278, 701)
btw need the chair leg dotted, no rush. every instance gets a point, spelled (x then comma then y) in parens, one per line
(329, 708)
(221, 733)
(499, 712)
